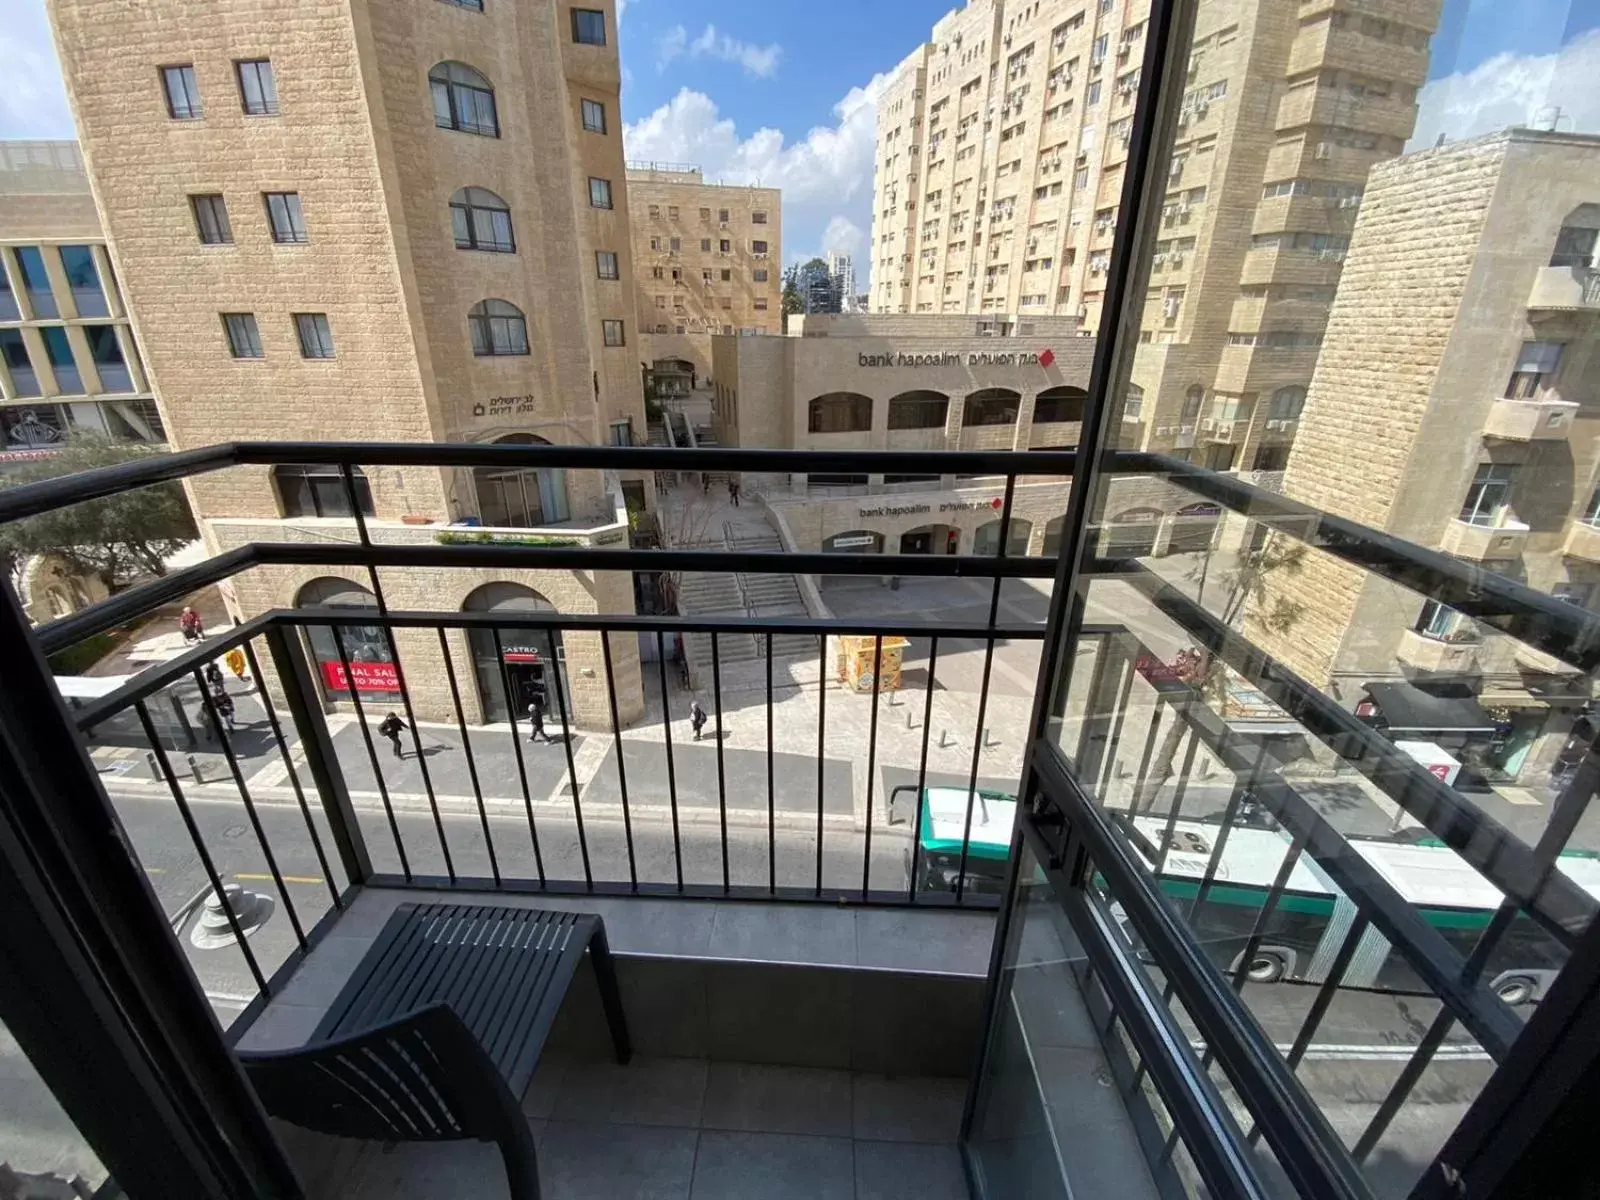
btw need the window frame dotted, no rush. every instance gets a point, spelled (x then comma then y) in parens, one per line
(465, 208)
(578, 26)
(584, 106)
(610, 326)
(216, 203)
(454, 91)
(324, 486)
(322, 331)
(250, 330)
(1493, 482)
(605, 185)
(266, 83)
(600, 257)
(193, 108)
(495, 334)
(293, 211)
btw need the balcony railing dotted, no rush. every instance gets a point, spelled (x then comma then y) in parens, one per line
(1201, 1056)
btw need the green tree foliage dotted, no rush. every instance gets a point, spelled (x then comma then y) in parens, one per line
(114, 537)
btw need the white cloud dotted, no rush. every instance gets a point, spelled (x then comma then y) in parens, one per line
(622, 7)
(760, 61)
(33, 99)
(825, 177)
(1513, 89)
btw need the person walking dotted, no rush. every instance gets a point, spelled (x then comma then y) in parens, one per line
(697, 718)
(223, 704)
(733, 491)
(390, 728)
(536, 720)
(213, 674)
(193, 627)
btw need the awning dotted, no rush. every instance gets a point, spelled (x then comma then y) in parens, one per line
(1451, 708)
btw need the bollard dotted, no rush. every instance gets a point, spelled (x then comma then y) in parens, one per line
(895, 701)
(155, 769)
(944, 738)
(987, 739)
(194, 769)
(910, 724)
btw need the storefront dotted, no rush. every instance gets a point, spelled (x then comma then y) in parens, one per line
(365, 648)
(514, 666)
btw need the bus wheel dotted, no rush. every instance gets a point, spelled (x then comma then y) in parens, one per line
(1266, 967)
(1516, 989)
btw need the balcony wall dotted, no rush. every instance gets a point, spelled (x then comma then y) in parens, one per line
(1574, 288)
(1484, 543)
(1583, 541)
(1530, 420)
(1433, 655)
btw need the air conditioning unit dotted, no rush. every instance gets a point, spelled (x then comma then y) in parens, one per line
(1159, 260)
(1183, 210)
(1125, 139)
(1324, 150)
(1122, 51)
(1170, 306)
(1200, 110)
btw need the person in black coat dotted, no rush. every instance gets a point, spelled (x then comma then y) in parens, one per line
(390, 728)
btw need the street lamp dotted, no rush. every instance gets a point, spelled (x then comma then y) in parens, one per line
(213, 930)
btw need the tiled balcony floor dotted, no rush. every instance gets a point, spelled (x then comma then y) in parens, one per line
(682, 1128)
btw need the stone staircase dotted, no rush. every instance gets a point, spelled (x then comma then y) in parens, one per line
(773, 595)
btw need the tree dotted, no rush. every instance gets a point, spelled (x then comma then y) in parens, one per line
(791, 302)
(111, 538)
(1247, 583)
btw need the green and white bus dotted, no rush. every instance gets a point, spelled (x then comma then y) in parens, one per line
(1307, 926)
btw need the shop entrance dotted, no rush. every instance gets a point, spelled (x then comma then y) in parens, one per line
(515, 665)
(930, 539)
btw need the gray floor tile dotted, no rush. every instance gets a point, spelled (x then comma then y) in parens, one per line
(908, 1109)
(282, 1027)
(428, 1171)
(773, 1166)
(648, 1091)
(949, 943)
(779, 933)
(585, 1161)
(909, 1171)
(548, 1079)
(324, 972)
(749, 1096)
(1105, 1160)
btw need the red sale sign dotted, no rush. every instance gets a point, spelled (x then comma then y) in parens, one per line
(368, 676)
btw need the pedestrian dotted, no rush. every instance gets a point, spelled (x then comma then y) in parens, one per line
(390, 728)
(536, 720)
(236, 663)
(222, 703)
(733, 492)
(213, 674)
(697, 718)
(193, 628)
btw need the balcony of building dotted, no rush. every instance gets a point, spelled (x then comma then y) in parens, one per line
(1500, 541)
(847, 959)
(1545, 419)
(1452, 653)
(1324, 107)
(1573, 289)
(1582, 542)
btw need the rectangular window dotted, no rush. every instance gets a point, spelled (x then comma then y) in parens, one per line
(672, 212)
(594, 116)
(675, 244)
(758, 247)
(58, 350)
(8, 299)
(705, 214)
(758, 218)
(211, 219)
(599, 193)
(705, 245)
(83, 277)
(258, 91)
(727, 274)
(605, 264)
(759, 275)
(722, 215)
(24, 380)
(589, 26)
(316, 339)
(1489, 494)
(284, 216)
(611, 331)
(1591, 511)
(761, 305)
(244, 339)
(36, 282)
(319, 491)
(1445, 623)
(1536, 368)
(724, 245)
(183, 94)
(106, 351)
(705, 275)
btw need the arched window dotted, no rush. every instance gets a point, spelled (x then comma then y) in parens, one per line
(1193, 399)
(918, 410)
(520, 664)
(992, 406)
(1576, 241)
(497, 327)
(1133, 403)
(1059, 404)
(840, 412)
(481, 221)
(364, 647)
(521, 497)
(463, 100)
(1287, 403)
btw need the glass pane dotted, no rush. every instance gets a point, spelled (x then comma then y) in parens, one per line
(38, 1141)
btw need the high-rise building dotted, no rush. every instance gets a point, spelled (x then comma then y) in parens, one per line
(367, 220)
(842, 268)
(1001, 146)
(1467, 424)
(68, 361)
(818, 287)
(710, 261)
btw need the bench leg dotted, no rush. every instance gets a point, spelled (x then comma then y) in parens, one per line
(605, 973)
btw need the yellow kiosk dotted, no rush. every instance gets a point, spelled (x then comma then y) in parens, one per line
(853, 661)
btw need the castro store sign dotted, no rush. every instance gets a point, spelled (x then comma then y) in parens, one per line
(960, 358)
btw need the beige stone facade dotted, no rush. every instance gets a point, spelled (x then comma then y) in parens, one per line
(1001, 147)
(1470, 266)
(382, 117)
(68, 359)
(709, 261)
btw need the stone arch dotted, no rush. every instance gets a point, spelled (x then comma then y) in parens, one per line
(1059, 404)
(991, 406)
(365, 647)
(513, 664)
(930, 539)
(921, 409)
(986, 538)
(1132, 532)
(521, 497)
(839, 412)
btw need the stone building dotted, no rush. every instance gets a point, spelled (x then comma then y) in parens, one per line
(1000, 155)
(377, 221)
(710, 261)
(68, 359)
(1454, 405)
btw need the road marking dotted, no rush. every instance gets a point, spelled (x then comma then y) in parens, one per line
(155, 870)
(286, 878)
(1368, 1052)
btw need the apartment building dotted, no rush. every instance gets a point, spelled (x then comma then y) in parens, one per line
(68, 359)
(394, 221)
(842, 268)
(710, 261)
(1473, 426)
(1001, 147)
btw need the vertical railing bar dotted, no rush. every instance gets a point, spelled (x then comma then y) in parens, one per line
(872, 763)
(567, 719)
(722, 786)
(1178, 793)
(922, 770)
(1329, 989)
(822, 743)
(516, 748)
(1269, 906)
(672, 774)
(221, 734)
(1114, 742)
(210, 866)
(622, 768)
(472, 764)
(1144, 760)
(294, 776)
(347, 470)
(372, 753)
(772, 817)
(1415, 1066)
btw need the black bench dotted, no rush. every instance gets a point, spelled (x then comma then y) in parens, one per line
(437, 1034)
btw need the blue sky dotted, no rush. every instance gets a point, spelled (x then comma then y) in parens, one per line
(776, 94)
